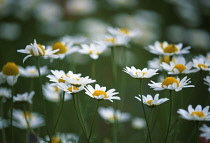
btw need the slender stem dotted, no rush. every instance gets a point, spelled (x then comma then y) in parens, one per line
(91, 129)
(93, 69)
(3, 129)
(150, 122)
(28, 124)
(197, 132)
(78, 118)
(114, 67)
(148, 129)
(11, 114)
(61, 109)
(170, 113)
(44, 104)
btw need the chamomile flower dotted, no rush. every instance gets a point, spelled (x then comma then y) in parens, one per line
(68, 88)
(93, 50)
(31, 71)
(124, 32)
(205, 131)
(9, 74)
(58, 76)
(137, 73)
(5, 93)
(118, 40)
(3, 123)
(201, 64)
(155, 63)
(109, 115)
(78, 81)
(171, 83)
(64, 48)
(101, 93)
(178, 66)
(207, 81)
(37, 50)
(197, 114)
(53, 93)
(149, 101)
(35, 120)
(138, 123)
(24, 98)
(165, 48)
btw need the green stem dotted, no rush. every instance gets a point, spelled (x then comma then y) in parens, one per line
(93, 69)
(150, 122)
(61, 109)
(44, 104)
(114, 67)
(170, 113)
(141, 95)
(28, 125)
(3, 129)
(11, 114)
(78, 118)
(91, 129)
(197, 131)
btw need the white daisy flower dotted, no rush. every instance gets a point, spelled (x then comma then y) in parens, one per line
(61, 138)
(31, 71)
(149, 101)
(118, 40)
(78, 81)
(137, 73)
(109, 115)
(178, 66)
(197, 114)
(53, 93)
(124, 32)
(58, 76)
(9, 74)
(64, 48)
(201, 64)
(25, 97)
(165, 48)
(155, 63)
(205, 131)
(171, 83)
(101, 93)
(37, 50)
(207, 81)
(3, 123)
(35, 120)
(138, 123)
(93, 50)
(5, 92)
(68, 88)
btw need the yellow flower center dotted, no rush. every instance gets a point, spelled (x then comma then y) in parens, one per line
(27, 115)
(169, 81)
(90, 52)
(124, 31)
(170, 49)
(150, 101)
(55, 140)
(39, 53)
(165, 59)
(198, 113)
(202, 65)
(62, 48)
(143, 73)
(110, 40)
(112, 117)
(61, 80)
(10, 69)
(100, 92)
(72, 88)
(180, 67)
(32, 71)
(56, 89)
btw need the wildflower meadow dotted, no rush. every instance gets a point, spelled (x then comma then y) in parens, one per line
(110, 71)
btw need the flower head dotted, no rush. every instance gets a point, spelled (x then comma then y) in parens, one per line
(10, 73)
(137, 73)
(171, 83)
(205, 131)
(124, 32)
(149, 101)
(101, 93)
(118, 40)
(197, 114)
(109, 115)
(207, 81)
(178, 66)
(138, 123)
(168, 49)
(35, 120)
(5, 93)
(201, 63)
(3, 123)
(31, 71)
(37, 50)
(24, 98)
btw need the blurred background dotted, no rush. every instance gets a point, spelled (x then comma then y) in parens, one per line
(175, 21)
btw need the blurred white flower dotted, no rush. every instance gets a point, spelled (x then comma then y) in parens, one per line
(197, 114)
(9, 31)
(123, 3)
(31, 71)
(138, 123)
(74, 39)
(25, 97)
(5, 92)
(207, 81)
(35, 120)
(205, 131)
(124, 32)
(3, 123)
(110, 115)
(117, 40)
(201, 63)
(155, 63)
